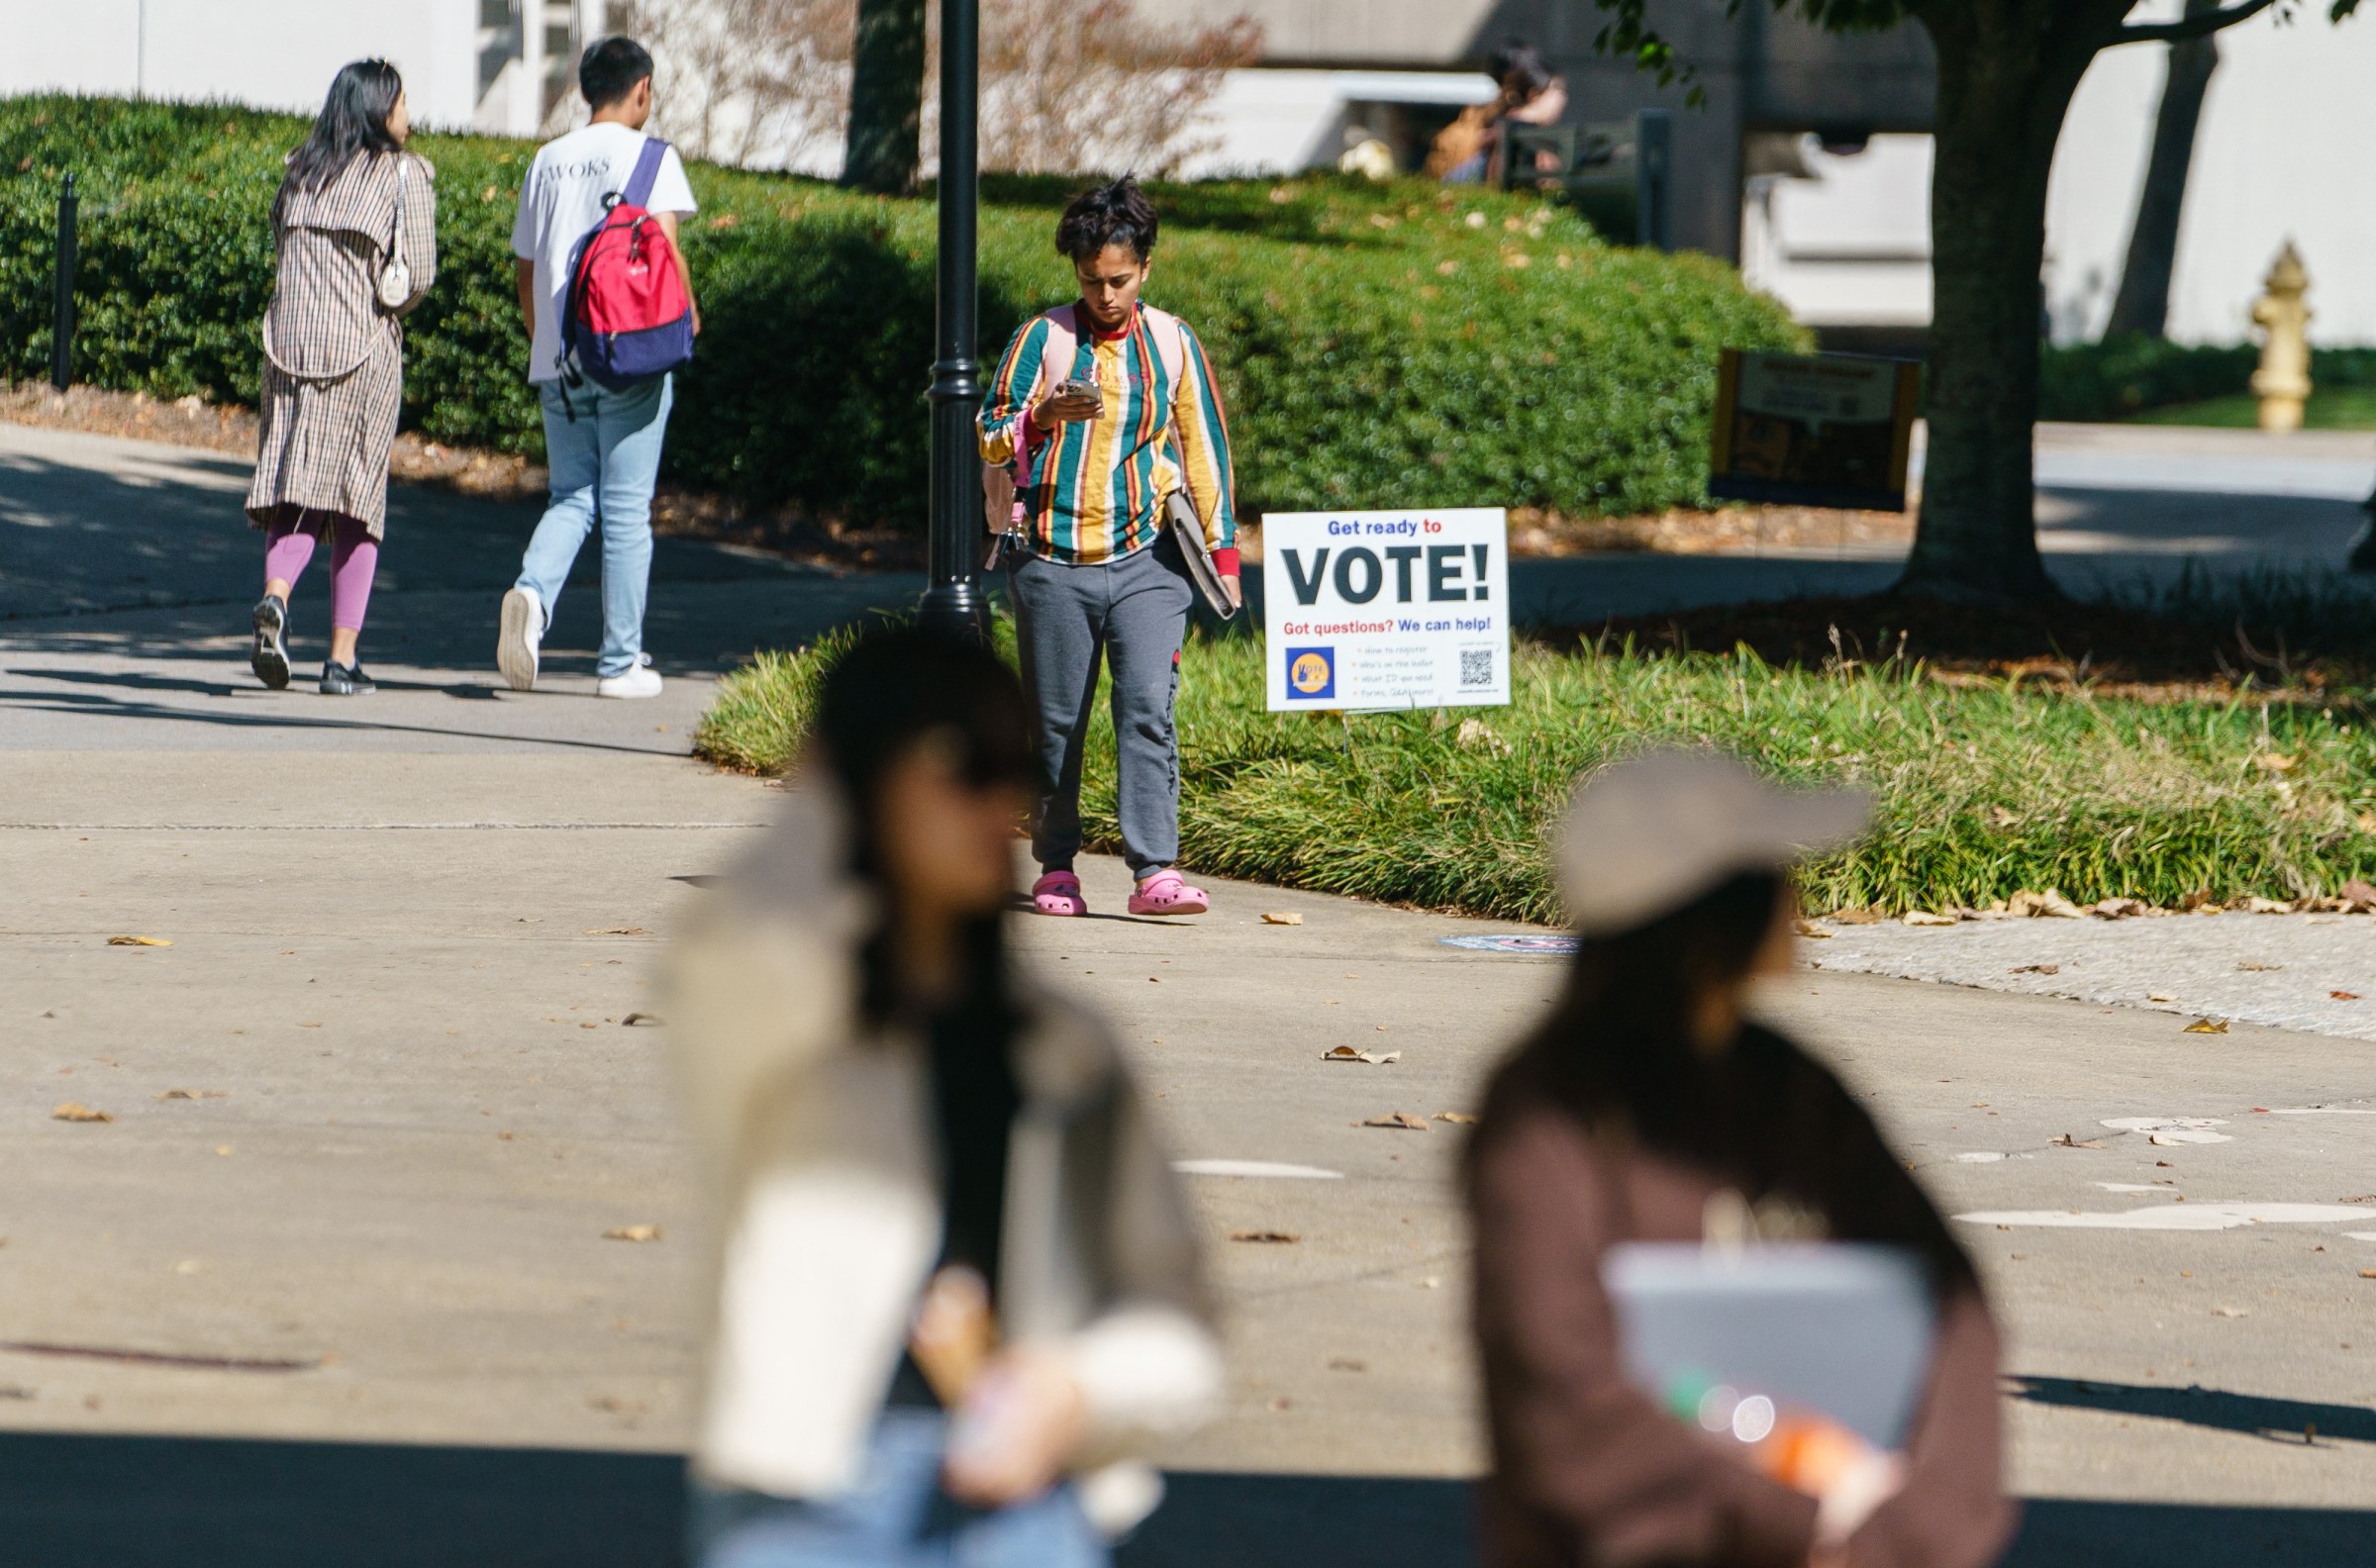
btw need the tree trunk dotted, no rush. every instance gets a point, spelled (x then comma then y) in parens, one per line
(2007, 70)
(886, 98)
(2143, 302)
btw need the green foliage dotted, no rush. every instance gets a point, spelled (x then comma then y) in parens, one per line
(1378, 344)
(1985, 789)
(2126, 376)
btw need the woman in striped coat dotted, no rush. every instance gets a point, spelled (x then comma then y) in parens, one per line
(1107, 408)
(356, 233)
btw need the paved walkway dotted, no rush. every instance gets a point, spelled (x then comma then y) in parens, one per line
(376, 1105)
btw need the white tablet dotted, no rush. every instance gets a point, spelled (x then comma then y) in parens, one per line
(1842, 1329)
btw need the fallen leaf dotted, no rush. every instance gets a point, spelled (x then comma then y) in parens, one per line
(1268, 1237)
(2206, 1025)
(2065, 1141)
(1926, 918)
(139, 941)
(1858, 916)
(2274, 763)
(2357, 894)
(1402, 1120)
(1345, 1053)
(2118, 908)
(1292, 918)
(2367, 1273)
(633, 1232)
(2344, 995)
(1810, 928)
(1456, 1117)
(617, 930)
(1346, 1364)
(2251, 967)
(589, 1024)
(2231, 1312)
(193, 1094)
(76, 1110)
(641, 1020)
(2267, 906)
(2038, 969)
(2050, 903)
(2159, 996)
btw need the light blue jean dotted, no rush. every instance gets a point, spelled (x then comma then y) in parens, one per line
(897, 1517)
(604, 463)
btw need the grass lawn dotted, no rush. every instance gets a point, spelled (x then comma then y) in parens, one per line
(1993, 777)
(2342, 409)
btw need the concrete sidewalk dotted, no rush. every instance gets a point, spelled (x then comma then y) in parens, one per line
(409, 932)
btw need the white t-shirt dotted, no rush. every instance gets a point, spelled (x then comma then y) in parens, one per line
(560, 202)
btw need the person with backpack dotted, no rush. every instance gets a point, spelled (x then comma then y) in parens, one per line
(355, 229)
(1106, 415)
(610, 313)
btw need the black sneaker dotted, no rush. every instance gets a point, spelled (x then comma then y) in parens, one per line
(345, 680)
(270, 659)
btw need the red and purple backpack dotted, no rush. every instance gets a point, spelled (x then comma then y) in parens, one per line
(629, 318)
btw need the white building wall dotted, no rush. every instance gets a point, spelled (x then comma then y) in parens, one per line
(2287, 150)
(282, 53)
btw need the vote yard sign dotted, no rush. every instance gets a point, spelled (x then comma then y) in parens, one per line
(1366, 610)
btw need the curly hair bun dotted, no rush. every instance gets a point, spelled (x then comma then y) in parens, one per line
(1114, 214)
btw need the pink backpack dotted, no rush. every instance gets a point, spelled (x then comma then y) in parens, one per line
(1003, 506)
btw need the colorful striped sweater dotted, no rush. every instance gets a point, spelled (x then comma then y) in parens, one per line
(1094, 489)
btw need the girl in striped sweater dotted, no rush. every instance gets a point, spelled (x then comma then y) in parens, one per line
(1105, 408)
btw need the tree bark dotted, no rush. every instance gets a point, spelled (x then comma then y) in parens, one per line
(886, 98)
(2006, 72)
(2143, 302)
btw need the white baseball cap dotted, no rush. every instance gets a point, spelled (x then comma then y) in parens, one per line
(1644, 837)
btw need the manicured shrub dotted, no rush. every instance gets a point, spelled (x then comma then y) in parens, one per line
(1390, 344)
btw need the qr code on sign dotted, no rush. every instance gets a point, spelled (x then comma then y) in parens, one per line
(1476, 667)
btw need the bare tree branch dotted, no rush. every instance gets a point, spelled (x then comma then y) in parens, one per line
(2193, 27)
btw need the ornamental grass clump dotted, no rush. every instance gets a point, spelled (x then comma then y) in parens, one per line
(1983, 789)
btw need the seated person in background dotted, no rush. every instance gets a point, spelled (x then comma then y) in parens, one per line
(1470, 151)
(1646, 1108)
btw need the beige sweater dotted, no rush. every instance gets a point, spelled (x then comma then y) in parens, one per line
(823, 1195)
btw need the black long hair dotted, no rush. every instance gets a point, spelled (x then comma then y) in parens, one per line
(896, 687)
(353, 121)
(1617, 1052)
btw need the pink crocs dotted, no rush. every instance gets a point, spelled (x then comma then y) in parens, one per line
(1165, 894)
(1058, 892)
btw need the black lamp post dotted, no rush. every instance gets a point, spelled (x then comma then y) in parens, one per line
(952, 595)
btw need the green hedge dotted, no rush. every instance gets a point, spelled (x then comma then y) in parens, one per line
(2126, 376)
(1378, 344)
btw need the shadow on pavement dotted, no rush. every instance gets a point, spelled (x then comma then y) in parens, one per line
(112, 1502)
(2282, 1420)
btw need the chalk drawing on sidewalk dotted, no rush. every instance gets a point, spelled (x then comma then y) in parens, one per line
(2171, 1216)
(1264, 1168)
(1524, 943)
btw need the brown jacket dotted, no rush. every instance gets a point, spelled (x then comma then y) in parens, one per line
(1588, 1469)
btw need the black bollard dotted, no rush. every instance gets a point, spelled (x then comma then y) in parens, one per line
(62, 324)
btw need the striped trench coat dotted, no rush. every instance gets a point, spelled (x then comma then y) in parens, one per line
(333, 355)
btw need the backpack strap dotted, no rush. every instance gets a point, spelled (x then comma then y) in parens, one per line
(1171, 344)
(647, 174)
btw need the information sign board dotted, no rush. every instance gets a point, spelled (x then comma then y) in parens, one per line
(1369, 610)
(1813, 429)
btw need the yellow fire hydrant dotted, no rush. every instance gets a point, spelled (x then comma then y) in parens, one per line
(2282, 383)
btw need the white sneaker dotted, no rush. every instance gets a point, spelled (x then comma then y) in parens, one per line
(523, 637)
(642, 681)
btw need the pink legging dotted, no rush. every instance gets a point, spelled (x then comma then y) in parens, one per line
(354, 560)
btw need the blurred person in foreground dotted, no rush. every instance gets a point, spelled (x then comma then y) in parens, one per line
(1646, 1108)
(955, 1281)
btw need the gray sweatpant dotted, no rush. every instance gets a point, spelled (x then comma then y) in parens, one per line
(1135, 611)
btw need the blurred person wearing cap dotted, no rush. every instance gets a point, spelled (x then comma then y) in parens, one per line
(953, 1286)
(1648, 1107)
